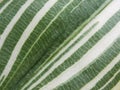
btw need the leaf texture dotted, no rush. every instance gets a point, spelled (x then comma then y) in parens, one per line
(59, 45)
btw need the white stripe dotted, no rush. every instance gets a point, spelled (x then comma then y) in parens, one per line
(1, 1)
(117, 86)
(13, 22)
(51, 61)
(5, 6)
(25, 36)
(68, 54)
(110, 80)
(45, 30)
(93, 82)
(92, 54)
(60, 61)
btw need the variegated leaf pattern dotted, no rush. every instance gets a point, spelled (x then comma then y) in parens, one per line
(59, 44)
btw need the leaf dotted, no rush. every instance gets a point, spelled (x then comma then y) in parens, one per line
(59, 45)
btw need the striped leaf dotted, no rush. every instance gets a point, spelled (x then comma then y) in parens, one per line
(59, 45)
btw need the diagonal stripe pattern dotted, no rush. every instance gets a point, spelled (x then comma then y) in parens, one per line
(59, 45)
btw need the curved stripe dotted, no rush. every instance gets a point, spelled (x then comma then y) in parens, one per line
(110, 56)
(102, 88)
(13, 22)
(93, 69)
(2, 3)
(81, 35)
(93, 82)
(8, 14)
(72, 41)
(46, 29)
(64, 57)
(94, 40)
(75, 57)
(5, 6)
(94, 15)
(89, 56)
(42, 32)
(25, 36)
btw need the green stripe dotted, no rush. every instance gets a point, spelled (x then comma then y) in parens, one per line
(108, 76)
(3, 3)
(113, 82)
(62, 23)
(82, 50)
(47, 61)
(18, 30)
(7, 15)
(51, 15)
(89, 72)
(82, 11)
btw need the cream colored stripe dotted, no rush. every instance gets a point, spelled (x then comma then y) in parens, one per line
(110, 80)
(1, 1)
(25, 36)
(5, 6)
(93, 82)
(50, 24)
(117, 86)
(72, 50)
(93, 53)
(10, 26)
